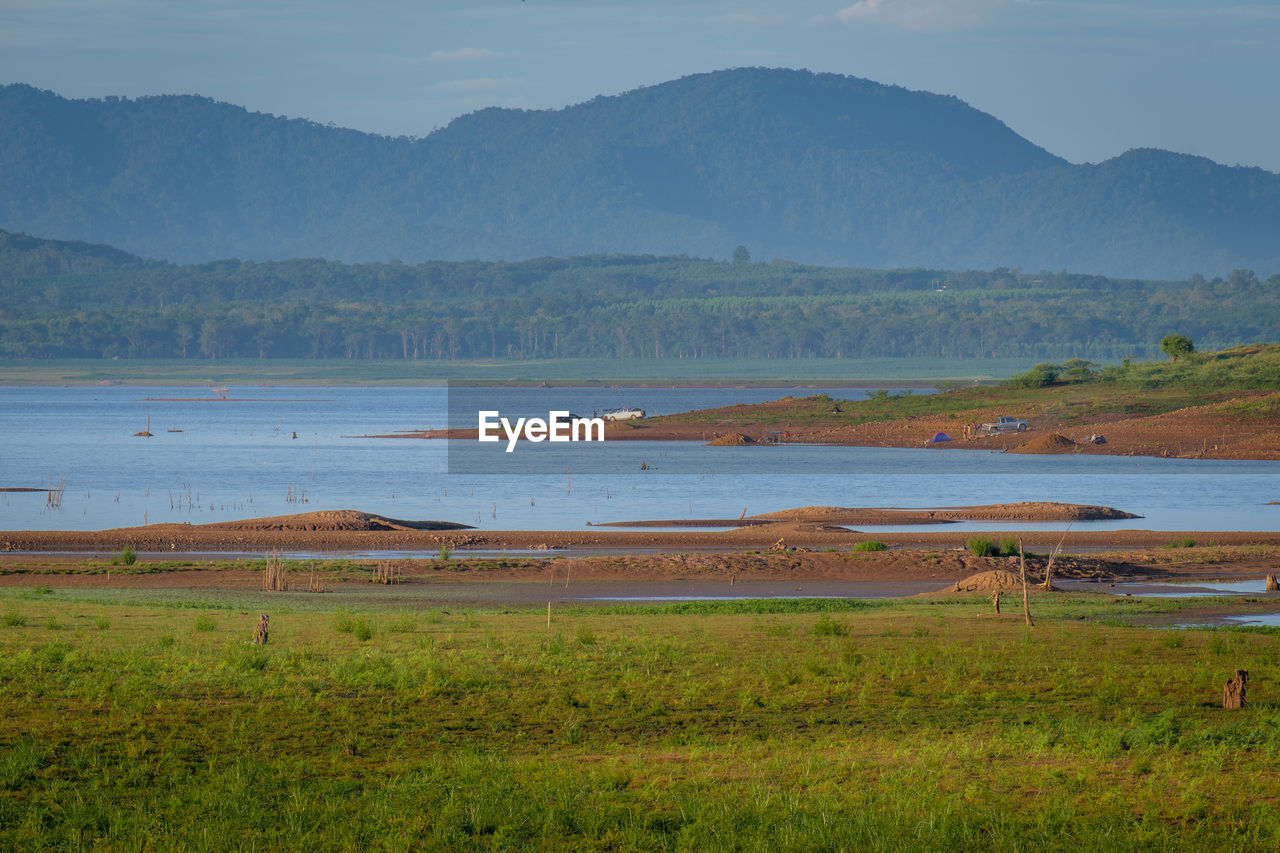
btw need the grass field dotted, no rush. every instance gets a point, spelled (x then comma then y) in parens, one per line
(575, 371)
(138, 723)
(1134, 389)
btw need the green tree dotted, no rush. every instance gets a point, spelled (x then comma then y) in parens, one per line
(1078, 370)
(741, 256)
(1177, 346)
(1037, 377)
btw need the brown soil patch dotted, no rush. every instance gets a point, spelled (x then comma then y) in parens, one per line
(1024, 511)
(544, 578)
(260, 535)
(996, 580)
(1246, 426)
(1051, 443)
(331, 520)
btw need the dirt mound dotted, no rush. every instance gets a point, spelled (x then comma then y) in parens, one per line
(332, 520)
(808, 513)
(732, 439)
(1037, 511)
(985, 582)
(1024, 511)
(1050, 443)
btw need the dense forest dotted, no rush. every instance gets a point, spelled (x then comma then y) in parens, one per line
(817, 167)
(60, 299)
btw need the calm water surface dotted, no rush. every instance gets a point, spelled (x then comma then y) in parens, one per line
(238, 458)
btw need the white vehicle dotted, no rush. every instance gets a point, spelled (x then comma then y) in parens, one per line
(623, 414)
(1004, 424)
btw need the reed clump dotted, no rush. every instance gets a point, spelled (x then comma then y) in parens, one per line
(387, 572)
(274, 574)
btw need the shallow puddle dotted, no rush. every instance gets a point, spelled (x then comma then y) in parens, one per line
(1187, 590)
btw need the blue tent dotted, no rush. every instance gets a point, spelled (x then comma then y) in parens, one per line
(937, 437)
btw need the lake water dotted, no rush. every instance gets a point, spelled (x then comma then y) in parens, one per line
(238, 458)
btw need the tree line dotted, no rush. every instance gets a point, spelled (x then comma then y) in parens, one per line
(69, 300)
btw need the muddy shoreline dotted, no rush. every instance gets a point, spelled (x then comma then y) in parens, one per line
(1215, 430)
(804, 527)
(787, 554)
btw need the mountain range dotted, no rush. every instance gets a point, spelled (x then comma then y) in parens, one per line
(818, 168)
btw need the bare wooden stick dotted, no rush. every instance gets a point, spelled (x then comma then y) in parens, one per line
(1022, 562)
(1048, 570)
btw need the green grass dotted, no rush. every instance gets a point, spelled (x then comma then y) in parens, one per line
(1136, 389)
(927, 724)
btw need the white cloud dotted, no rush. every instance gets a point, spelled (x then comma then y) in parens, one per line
(935, 15)
(462, 54)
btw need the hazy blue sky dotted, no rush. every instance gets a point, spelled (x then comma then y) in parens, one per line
(1086, 80)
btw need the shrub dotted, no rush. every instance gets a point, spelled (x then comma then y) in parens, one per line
(1079, 370)
(981, 546)
(869, 545)
(445, 553)
(345, 623)
(13, 619)
(1009, 546)
(1037, 377)
(828, 627)
(128, 556)
(204, 622)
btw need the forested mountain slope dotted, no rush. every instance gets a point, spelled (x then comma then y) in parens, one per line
(819, 168)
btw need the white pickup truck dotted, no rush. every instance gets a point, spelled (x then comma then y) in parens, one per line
(624, 414)
(1003, 424)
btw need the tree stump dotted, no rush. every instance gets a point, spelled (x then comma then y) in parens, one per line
(995, 601)
(260, 633)
(1272, 584)
(1233, 690)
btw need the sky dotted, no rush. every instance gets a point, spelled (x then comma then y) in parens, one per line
(1085, 80)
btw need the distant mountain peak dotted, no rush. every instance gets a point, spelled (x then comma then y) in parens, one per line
(816, 167)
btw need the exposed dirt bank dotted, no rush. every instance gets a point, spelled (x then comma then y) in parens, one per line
(1244, 426)
(835, 517)
(352, 531)
(673, 575)
(328, 521)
